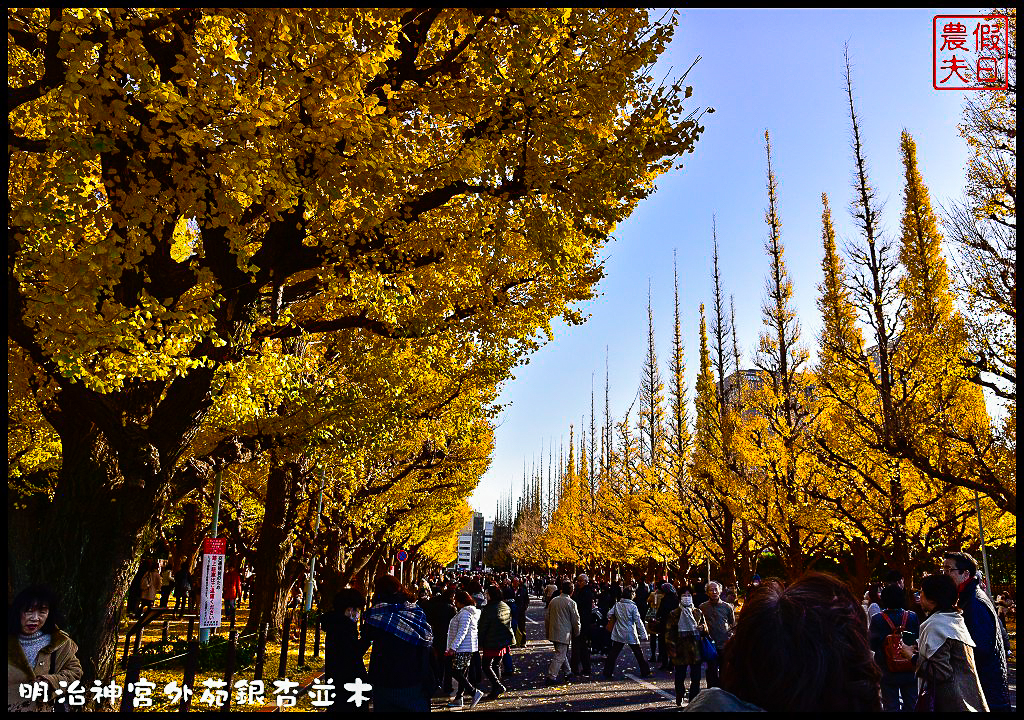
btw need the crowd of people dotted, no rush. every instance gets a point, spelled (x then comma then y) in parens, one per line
(811, 645)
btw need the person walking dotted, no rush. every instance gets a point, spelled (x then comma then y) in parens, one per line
(682, 636)
(628, 630)
(462, 645)
(150, 586)
(495, 633)
(166, 584)
(721, 619)
(871, 602)
(440, 612)
(182, 588)
(522, 595)
(38, 650)
(550, 590)
(979, 615)
(562, 624)
(343, 648)
(944, 658)
(232, 591)
(401, 639)
(583, 596)
(899, 686)
(669, 602)
(653, 602)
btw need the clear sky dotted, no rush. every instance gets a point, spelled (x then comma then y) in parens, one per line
(780, 70)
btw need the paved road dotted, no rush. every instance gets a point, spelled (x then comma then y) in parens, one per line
(527, 690)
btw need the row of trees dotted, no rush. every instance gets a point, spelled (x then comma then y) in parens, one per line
(302, 249)
(880, 454)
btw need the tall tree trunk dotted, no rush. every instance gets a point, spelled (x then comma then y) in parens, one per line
(188, 537)
(859, 565)
(332, 570)
(85, 543)
(898, 518)
(728, 560)
(273, 550)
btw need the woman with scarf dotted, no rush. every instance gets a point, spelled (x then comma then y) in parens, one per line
(401, 639)
(38, 652)
(462, 646)
(682, 637)
(944, 655)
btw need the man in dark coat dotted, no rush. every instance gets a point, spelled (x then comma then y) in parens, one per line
(985, 628)
(522, 596)
(583, 594)
(668, 603)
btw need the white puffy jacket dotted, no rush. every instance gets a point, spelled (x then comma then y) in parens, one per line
(462, 630)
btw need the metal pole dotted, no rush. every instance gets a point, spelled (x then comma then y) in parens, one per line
(204, 633)
(981, 533)
(312, 562)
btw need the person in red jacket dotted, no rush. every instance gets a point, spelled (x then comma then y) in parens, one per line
(232, 590)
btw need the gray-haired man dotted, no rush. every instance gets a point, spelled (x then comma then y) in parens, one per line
(721, 619)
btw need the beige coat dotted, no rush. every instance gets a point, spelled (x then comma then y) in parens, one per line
(953, 677)
(562, 619)
(66, 667)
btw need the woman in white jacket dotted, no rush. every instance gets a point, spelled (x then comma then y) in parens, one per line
(462, 644)
(628, 630)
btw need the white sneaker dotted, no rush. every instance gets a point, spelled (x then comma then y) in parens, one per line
(456, 704)
(476, 698)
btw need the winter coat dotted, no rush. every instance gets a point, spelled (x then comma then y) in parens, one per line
(343, 649)
(951, 673)
(683, 649)
(562, 619)
(150, 585)
(462, 630)
(232, 584)
(495, 626)
(397, 663)
(584, 599)
(629, 626)
(62, 649)
(989, 653)
(669, 602)
(879, 630)
(439, 615)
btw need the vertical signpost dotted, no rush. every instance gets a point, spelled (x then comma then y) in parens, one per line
(214, 550)
(401, 556)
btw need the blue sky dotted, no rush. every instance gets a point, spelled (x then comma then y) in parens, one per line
(780, 70)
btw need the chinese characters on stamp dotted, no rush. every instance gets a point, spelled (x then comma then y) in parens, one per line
(970, 52)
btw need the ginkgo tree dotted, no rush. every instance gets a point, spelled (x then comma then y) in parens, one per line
(185, 184)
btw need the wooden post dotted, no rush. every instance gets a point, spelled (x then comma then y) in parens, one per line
(191, 661)
(282, 667)
(165, 631)
(127, 649)
(191, 628)
(229, 670)
(130, 678)
(261, 650)
(302, 641)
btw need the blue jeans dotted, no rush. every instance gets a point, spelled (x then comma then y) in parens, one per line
(895, 694)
